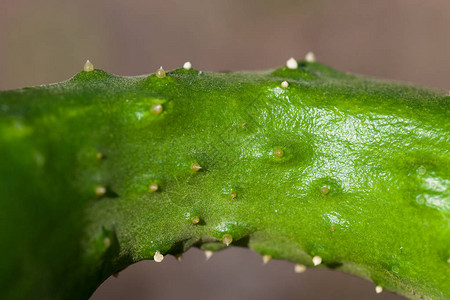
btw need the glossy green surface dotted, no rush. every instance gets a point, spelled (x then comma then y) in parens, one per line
(381, 150)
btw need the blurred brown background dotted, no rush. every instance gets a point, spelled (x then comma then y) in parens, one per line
(44, 41)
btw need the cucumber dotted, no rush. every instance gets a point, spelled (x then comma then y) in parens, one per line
(311, 165)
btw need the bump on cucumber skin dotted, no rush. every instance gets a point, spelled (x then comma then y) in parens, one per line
(384, 218)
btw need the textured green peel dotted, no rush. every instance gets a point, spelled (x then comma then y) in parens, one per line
(329, 170)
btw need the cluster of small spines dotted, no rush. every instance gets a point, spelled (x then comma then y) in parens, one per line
(100, 190)
(157, 108)
(298, 268)
(160, 73)
(227, 238)
(292, 64)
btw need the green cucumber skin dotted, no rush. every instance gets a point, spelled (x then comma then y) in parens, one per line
(381, 148)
